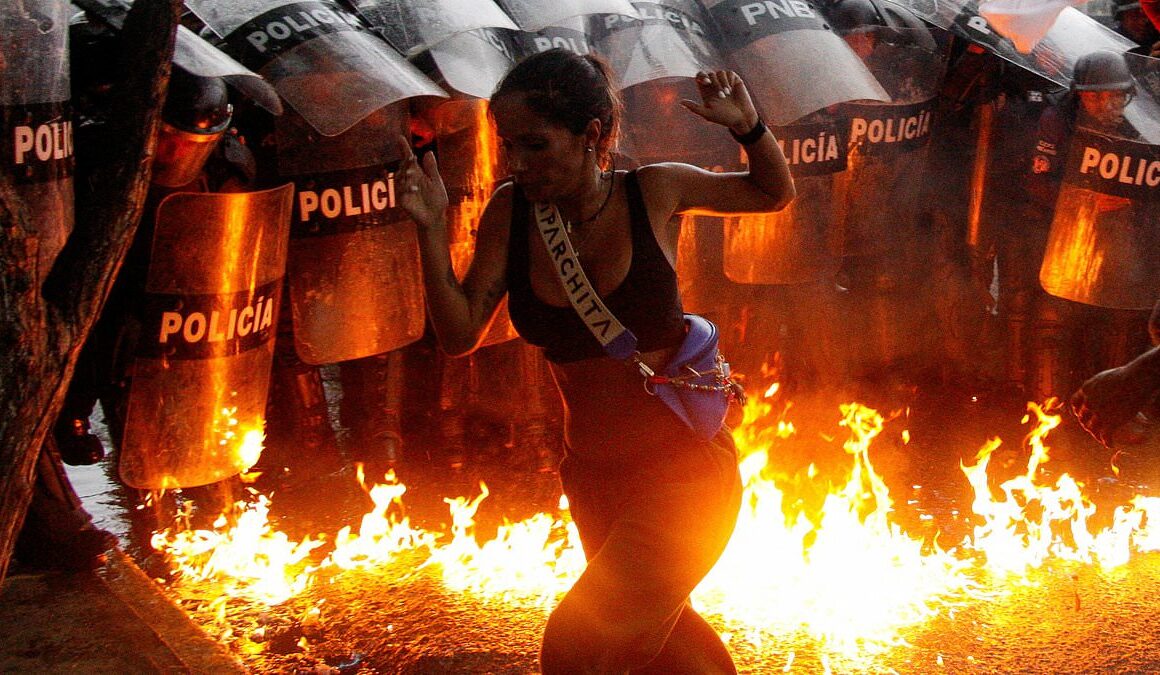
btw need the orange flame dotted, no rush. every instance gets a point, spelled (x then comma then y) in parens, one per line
(784, 571)
(1035, 521)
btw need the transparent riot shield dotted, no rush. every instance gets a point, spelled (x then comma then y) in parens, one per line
(655, 127)
(1072, 35)
(353, 272)
(887, 148)
(570, 34)
(665, 39)
(36, 120)
(790, 58)
(1143, 109)
(414, 26)
(195, 55)
(535, 15)
(463, 44)
(319, 57)
(471, 63)
(1104, 242)
(204, 60)
(794, 245)
(469, 164)
(197, 397)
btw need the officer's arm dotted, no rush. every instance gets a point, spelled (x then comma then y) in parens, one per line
(1110, 398)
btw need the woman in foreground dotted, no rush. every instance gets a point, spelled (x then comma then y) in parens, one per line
(654, 504)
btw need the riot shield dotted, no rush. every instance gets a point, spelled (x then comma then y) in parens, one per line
(195, 55)
(665, 39)
(1072, 35)
(1105, 238)
(792, 61)
(1143, 110)
(471, 63)
(319, 57)
(353, 272)
(414, 26)
(468, 162)
(36, 120)
(794, 245)
(535, 15)
(887, 148)
(197, 398)
(204, 60)
(656, 128)
(570, 34)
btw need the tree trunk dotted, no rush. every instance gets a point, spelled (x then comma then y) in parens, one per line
(41, 332)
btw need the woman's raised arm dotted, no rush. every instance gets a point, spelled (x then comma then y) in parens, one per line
(766, 186)
(460, 312)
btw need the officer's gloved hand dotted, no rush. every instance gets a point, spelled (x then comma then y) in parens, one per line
(1111, 399)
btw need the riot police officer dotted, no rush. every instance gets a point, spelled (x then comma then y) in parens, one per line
(195, 118)
(1069, 338)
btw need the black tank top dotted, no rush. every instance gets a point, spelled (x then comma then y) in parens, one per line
(647, 301)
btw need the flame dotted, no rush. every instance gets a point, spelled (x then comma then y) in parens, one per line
(1034, 520)
(382, 533)
(534, 560)
(782, 574)
(810, 554)
(250, 558)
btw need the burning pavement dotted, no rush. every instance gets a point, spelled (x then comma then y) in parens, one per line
(868, 542)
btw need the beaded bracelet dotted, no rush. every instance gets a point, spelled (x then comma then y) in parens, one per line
(753, 135)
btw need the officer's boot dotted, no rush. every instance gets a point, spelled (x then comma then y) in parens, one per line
(1049, 373)
(454, 408)
(300, 442)
(372, 392)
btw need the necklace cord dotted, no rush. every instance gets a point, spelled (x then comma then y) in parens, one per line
(607, 197)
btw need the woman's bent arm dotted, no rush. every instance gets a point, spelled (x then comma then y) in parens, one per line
(767, 185)
(460, 312)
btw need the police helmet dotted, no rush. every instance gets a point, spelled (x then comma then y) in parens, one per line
(1102, 71)
(903, 26)
(198, 105)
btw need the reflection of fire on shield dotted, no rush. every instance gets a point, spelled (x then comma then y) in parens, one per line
(354, 274)
(887, 149)
(793, 245)
(468, 162)
(795, 66)
(319, 57)
(36, 120)
(1103, 244)
(198, 393)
